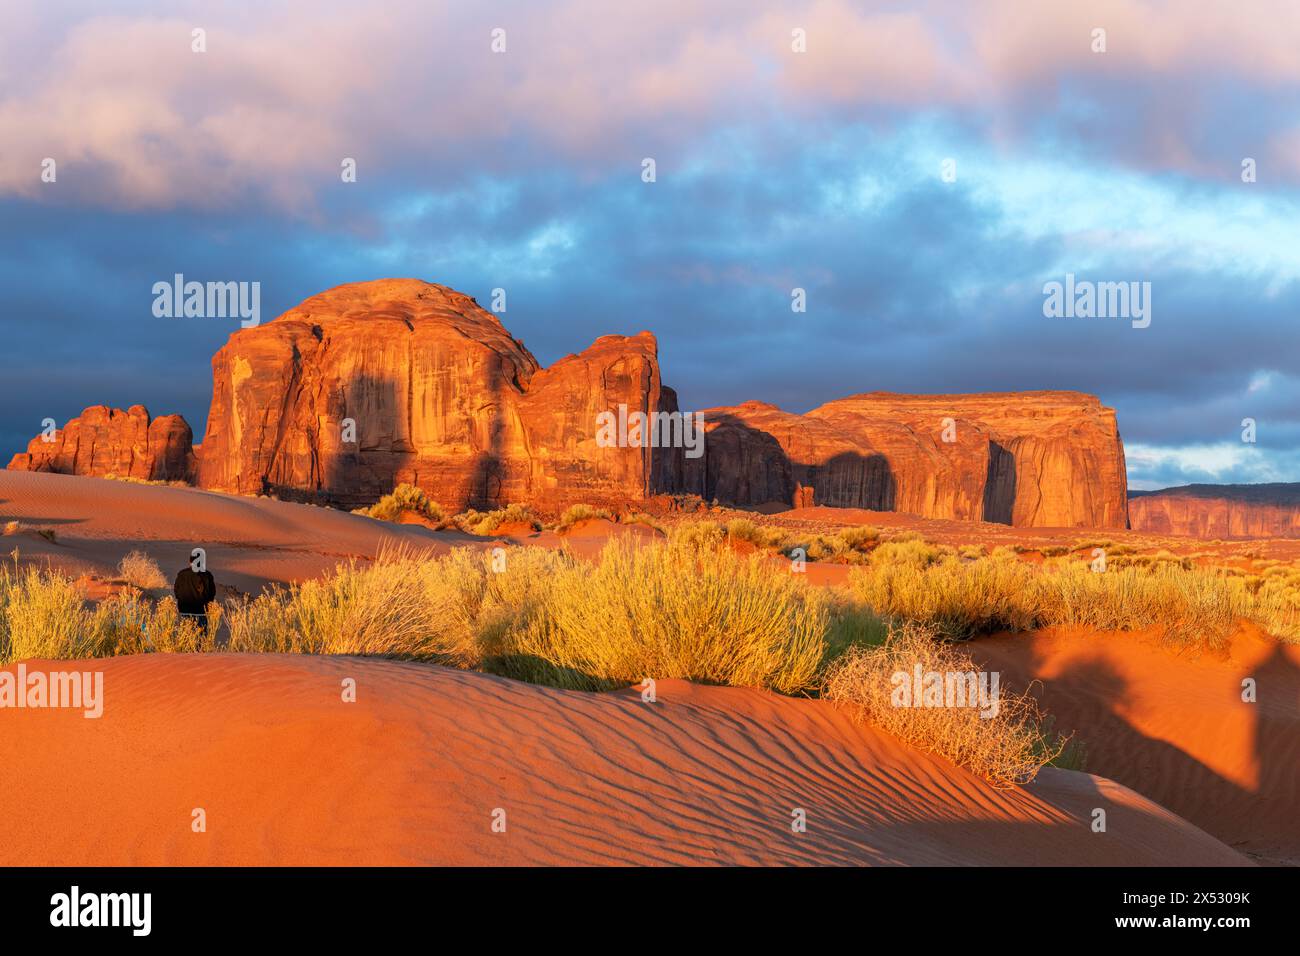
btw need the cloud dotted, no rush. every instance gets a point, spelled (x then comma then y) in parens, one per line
(135, 119)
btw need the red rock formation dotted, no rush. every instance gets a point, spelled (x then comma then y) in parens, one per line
(440, 395)
(108, 441)
(1033, 459)
(1219, 511)
(373, 384)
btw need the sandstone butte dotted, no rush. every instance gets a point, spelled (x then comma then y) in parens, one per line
(443, 397)
(108, 441)
(1219, 511)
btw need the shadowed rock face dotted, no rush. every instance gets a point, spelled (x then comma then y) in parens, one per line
(1219, 511)
(108, 441)
(1032, 459)
(438, 394)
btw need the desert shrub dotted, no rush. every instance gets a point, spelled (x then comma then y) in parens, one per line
(486, 522)
(742, 529)
(1007, 748)
(913, 552)
(955, 599)
(663, 611)
(44, 616)
(859, 537)
(452, 609)
(698, 535)
(403, 499)
(641, 518)
(962, 599)
(761, 536)
(673, 612)
(141, 571)
(17, 527)
(580, 512)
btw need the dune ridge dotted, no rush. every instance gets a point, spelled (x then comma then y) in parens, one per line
(410, 774)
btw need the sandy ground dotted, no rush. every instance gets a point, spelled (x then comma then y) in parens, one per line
(412, 772)
(405, 774)
(1174, 725)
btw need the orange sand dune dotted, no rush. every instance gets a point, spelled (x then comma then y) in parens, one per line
(287, 773)
(1174, 725)
(249, 541)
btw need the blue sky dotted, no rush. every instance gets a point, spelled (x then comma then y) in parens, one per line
(775, 169)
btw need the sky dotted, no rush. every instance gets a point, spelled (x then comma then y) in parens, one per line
(921, 170)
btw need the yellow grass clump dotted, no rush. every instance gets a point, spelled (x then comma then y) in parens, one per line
(581, 512)
(961, 599)
(44, 615)
(142, 571)
(673, 612)
(1007, 747)
(404, 499)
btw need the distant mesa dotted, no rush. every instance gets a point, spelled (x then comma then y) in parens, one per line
(371, 384)
(1219, 511)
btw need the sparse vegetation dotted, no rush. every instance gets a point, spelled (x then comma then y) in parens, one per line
(580, 512)
(1008, 747)
(17, 527)
(43, 614)
(142, 571)
(404, 499)
(1193, 606)
(691, 607)
(486, 522)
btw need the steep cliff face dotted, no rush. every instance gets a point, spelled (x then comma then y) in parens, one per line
(1219, 511)
(376, 383)
(104, 441)
(1033, 459)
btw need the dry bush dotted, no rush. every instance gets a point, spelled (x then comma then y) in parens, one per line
(673, 611)
(956, 599)
(452, 609)
(17, 527)
(660, 611)
(581, 512)
(698, 535)
(640, 517)
(1006, 749)
(1190, 606)
(405, 498)
(42, 615)
(141, 571)
(859, 537)
(486, 522)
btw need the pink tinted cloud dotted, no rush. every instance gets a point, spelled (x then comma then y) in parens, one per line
(135, 119)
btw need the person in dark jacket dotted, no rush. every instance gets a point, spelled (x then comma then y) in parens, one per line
(195, 590)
